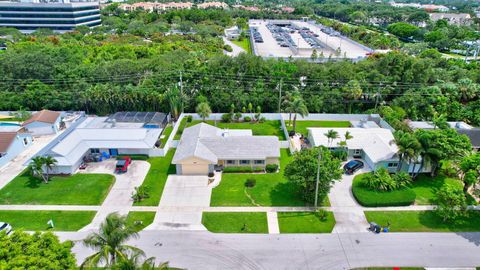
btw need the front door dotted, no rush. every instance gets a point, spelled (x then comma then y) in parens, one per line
(113, 152)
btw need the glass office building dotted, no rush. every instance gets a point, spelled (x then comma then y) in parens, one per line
(28, 16)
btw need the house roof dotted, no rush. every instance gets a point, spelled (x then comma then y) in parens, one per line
(44, 116)
(210, 143)
(377, 143)
(6, 139)
(473, 134)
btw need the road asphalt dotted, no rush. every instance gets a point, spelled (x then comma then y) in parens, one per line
(205, 250)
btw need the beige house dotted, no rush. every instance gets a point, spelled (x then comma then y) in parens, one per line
(202, 147)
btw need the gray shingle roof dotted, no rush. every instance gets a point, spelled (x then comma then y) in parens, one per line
(207, 142)
(473, 134)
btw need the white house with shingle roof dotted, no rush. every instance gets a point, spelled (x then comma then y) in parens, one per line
(43, 122)
(203, 146)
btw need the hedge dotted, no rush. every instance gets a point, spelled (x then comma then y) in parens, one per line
(134, 157)
(372, 198)
(242, 169)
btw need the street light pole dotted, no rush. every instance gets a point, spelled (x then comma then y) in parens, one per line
(318, 176)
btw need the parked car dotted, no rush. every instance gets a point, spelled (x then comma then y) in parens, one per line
(122, 165)
(352, 166)
(5, 227)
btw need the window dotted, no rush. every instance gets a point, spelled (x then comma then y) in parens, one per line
(95, 151)
(230, 162)
(25, 141)
(259, 162)
(357, 151)
(392, 164)
(244, 162)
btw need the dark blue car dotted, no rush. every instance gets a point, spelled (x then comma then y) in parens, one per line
(352, 166)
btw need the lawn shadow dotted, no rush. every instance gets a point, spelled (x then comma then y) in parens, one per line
(32, 182)
(286, 194)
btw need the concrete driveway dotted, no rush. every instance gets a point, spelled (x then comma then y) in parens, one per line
(348, 213)
(119, 198)
(181, 195)
(15, 166)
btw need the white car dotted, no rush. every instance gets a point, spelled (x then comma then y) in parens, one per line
(5, 227)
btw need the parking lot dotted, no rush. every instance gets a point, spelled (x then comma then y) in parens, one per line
(299, 39)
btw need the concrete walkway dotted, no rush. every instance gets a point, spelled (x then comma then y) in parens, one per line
(348, 213)
(119, 198)
(13, 168)
(236, 50)
(272, 220)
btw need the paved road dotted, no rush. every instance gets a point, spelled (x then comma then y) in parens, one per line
(204, 250)
(236, 50)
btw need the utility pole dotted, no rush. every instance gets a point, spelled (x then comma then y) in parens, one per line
(318, 176)
(181, 89)
(280, 96)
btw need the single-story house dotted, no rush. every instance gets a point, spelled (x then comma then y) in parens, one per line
(202, 147)
(13, 143)
(125, 133)
(232, 32)
(43, 122)
(374, 145)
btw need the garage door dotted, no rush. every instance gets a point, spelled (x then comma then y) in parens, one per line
(195, 169)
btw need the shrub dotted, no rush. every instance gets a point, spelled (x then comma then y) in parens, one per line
(237, 116)
(340, 154)
(189, 118)
(373, 198)
(228, 48)
(140, 193)
(381, 180)
(227, 117)
(241, 169)
(250, 183)
(321, 214)
(247, 119)
(271, 168)
(402, 179)
(262, 119)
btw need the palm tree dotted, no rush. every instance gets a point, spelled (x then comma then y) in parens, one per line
(36, 167)
(331, 135)
(467, 89)
(408, 147)
(109, 242)
(49, 162)
(287, 101)
(348, 136)
(297, 107)
(353, 91)
(135, 261)
(203, 110)
(176, 100)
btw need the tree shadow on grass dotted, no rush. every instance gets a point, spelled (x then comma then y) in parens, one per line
(32, 182)
(286, 194)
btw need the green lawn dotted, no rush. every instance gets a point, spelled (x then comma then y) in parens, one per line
(235, 222)
(423, 221)
(271, 189)
(160, 168)
(37, 220)
(305, 222)
(269, 127)
(426, 188)
(244, 44)
(146, 219)
(302, 125)
(181, 127)
(78, 189)
(372, 198)
(166, 133)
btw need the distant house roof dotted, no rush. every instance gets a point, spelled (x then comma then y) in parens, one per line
(429, 125)
(44, 116)
(210, 143)
(375, 142)
(6, 139)
(473, 134)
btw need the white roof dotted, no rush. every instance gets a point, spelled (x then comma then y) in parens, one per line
(211, 144)
(429, 125)
(377, 143)
(68, 150)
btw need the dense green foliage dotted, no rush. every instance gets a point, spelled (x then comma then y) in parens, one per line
(302, 172)
(21, 250)
(372, 198)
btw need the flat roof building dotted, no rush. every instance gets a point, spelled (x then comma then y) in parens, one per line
(63, 16)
